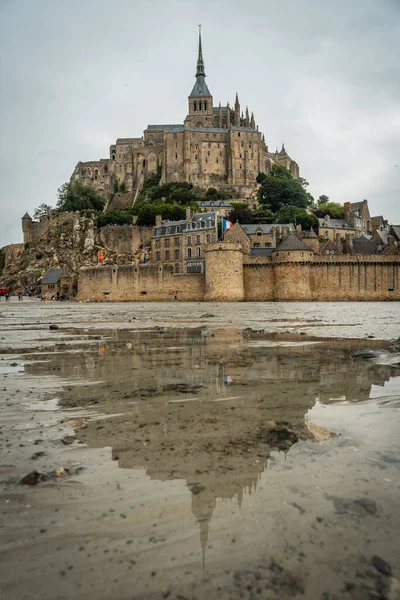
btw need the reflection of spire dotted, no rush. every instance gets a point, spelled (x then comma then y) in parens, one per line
(203, 505)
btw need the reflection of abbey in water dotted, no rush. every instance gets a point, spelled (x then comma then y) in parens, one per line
(219, 441)
(156, 360)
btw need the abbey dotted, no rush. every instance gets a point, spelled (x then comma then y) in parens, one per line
(217, 146)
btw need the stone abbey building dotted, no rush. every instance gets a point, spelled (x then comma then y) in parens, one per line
(217, 146)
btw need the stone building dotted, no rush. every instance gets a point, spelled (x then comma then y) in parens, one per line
(331, 228)
(358, 216)
(55, 283)
(217, 146)
(181, 244)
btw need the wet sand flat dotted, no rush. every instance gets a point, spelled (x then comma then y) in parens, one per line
(200, 451)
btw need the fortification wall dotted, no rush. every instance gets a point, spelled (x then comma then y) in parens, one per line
(126, 239)
(258, 278)
(138, 283)
(232, 276)
(348, 277)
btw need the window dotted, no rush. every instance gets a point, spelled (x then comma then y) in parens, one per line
(209, 144)
(176, 145)
(189, 240)
(197, 239)
(257, 245)
(208, 153)
(199, 105)
(220, 153)
(105, 169)
(242, 144)
(167, 255)
(176, 254)
(198, 251)
(249, 144)
(166, 243)
(175, 136)
(268, 244)
(195, 267)
(176, 241)
(158, 256)
(144, 162)
(195, 106)
(195, 157)
(259, 232)
(158, 243)
(205, 105)
(208, 238)
(238, 133)
(96, 173)
(177, 268)
(217, 160)
(176, 156)
(189, 252)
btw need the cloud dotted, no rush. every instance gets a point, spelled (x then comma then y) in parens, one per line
(322, 77)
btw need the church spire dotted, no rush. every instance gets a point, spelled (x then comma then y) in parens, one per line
(200, 61)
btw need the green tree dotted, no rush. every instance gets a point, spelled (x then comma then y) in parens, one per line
(75, 196)
(212, 193)
(322, 199)
(42, 210)
(241, 213)
(260, 177)
(148, 212)
(333, 209)
(297, 216)
(280, 189)
(114, 217)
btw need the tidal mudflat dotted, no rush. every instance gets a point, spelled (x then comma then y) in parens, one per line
(199, 451)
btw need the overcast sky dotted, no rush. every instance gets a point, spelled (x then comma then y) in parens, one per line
(323, 77)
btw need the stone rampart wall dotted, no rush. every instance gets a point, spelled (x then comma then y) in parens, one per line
(324, 278)
(138, 283)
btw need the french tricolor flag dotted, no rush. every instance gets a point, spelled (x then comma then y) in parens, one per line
(226, 224)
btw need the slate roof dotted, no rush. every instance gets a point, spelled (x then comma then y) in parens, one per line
(363, 246)
(165, 127)
(291, 243)
(252, 228)
(335, 224)
(200, 89)
(216, 203)
(395, 230)
(27, 216)
(52, 276)
(175, 227)
(306, 234)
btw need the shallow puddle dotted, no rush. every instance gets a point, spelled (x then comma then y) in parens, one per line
(238, 464)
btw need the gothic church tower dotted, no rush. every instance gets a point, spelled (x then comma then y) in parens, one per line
(200, 99)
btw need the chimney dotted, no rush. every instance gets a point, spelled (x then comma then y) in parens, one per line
(285, 231)
(158, 220)
(346, 207)
(327, 217)
(272, 236)
(348, 244)
(338, 241)
(188, 214)
(298, 228)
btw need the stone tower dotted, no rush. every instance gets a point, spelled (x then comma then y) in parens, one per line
(291, 261)
(200, 99)
(26, 227)
(224, 272)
